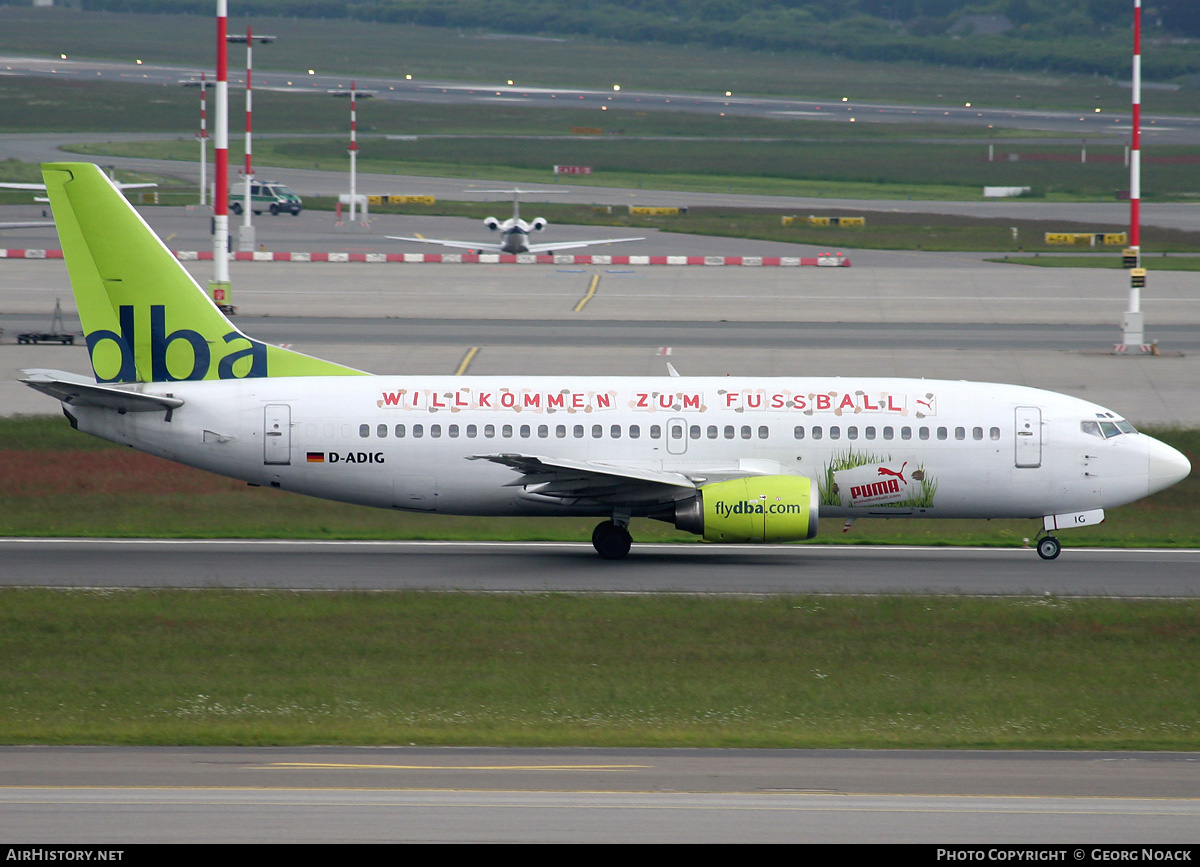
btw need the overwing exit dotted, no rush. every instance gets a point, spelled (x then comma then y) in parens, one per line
(731, 459)
(514, 233)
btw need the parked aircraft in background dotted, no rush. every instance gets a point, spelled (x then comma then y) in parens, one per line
(733, 459)
(41, 188)
(514, 233)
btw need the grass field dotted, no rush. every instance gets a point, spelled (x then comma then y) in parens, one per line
(834, 167)
(434, 53)
(215, 667)
(1150, 263)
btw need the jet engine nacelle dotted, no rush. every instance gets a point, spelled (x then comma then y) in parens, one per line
(538, 224)
(492, 223)
(752, 509)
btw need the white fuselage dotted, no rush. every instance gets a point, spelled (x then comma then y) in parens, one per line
(881, 447)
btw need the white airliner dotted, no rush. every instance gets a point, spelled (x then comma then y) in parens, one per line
(514, 233)
(733, 459)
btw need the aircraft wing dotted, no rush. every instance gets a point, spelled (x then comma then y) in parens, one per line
(463, 245)
(568, 245)
(41, 188)
(80, 391)
(569, 481)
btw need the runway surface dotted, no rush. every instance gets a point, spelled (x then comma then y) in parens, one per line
(328, 794)
(552, 567)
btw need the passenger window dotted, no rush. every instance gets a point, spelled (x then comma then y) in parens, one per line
(676, 431)
(524, 431)
(489, 430)
(560, 431)
(995, 433)
(943, 433)
(418, 431)
(472, 431)
(506, 431)
(381, 431)
(835, 432)
(730, 432)
(889, 433)
(870, 432)
(364, 430)
(597, 431)
(694, 432)
(400, 431)
(712, 431)
(923, 433)
(852, 432)
(960, 433)
(578, 431)
(655, 432)
(543, 431)
(977, 433)
(453, 431)
(763, 432)
(634, 431)
(745, 431)
(615, 431)
(798, 432)
(435, 430)
(905, 433)
(817, 433)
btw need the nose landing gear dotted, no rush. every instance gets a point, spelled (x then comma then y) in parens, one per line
(1048, 547)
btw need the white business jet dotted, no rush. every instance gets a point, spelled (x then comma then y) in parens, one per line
(732, 459)
(514, 233)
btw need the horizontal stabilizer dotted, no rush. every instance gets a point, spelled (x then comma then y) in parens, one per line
(76, 390)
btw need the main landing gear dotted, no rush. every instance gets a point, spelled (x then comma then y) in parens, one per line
(1048, 547)
(611, 540)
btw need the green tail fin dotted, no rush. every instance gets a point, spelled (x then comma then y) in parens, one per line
(145, 318)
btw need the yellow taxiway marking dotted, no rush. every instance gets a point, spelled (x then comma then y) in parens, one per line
(466, 361)
(346, 766)
(591, 291)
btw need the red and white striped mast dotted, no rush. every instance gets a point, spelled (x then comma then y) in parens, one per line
(219, 286)
(248, 171)
(1133, 325)
(246, 232)
(203, 136)
(353, 149)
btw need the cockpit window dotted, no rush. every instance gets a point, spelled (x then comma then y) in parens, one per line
(1107, 429)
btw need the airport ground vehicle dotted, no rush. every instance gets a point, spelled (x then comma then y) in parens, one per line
(266, 196)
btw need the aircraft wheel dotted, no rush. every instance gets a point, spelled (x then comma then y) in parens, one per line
(611, 541)
(1048, 548)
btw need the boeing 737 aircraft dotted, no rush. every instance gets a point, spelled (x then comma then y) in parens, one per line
(733, 459)
(514, 233)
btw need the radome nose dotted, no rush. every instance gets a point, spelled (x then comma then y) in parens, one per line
(1166, 466)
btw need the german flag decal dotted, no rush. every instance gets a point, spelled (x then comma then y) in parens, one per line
(316, 457)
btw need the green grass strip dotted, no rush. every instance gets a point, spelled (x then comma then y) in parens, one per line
(218, 667)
